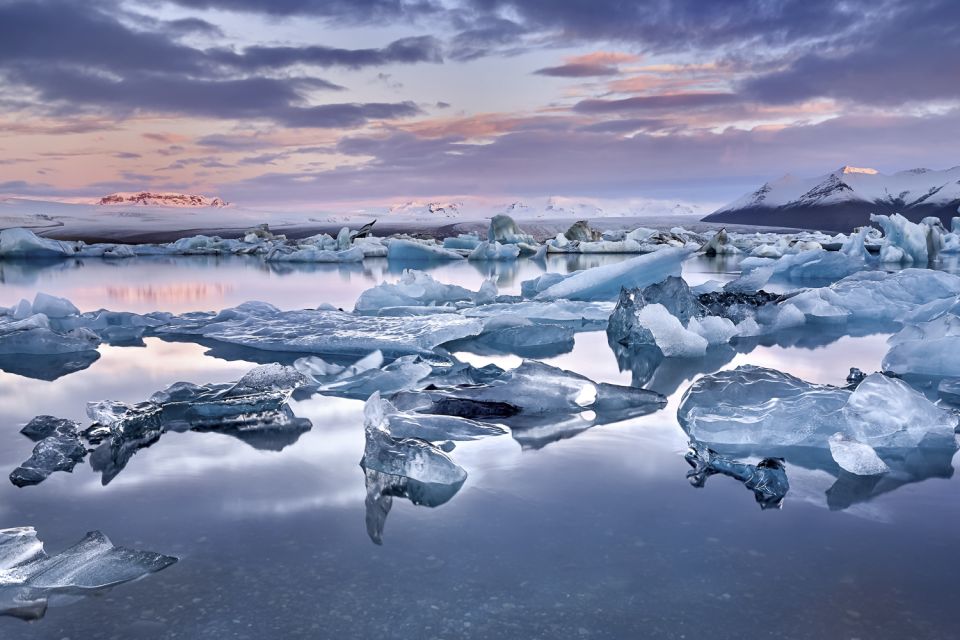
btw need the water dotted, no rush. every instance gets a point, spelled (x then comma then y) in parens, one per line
(593, 536)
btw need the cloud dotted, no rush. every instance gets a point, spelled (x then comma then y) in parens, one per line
(406, 51)
(655, 103)
(578, 70)
(361, 11)
(74, 60)
(570, 162)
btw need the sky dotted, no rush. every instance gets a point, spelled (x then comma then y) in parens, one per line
(335, 103)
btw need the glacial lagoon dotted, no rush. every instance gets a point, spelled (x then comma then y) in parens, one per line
(578, 531)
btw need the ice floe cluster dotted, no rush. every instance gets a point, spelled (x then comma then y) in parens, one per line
(394, 351)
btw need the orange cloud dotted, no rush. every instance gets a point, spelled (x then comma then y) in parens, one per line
(603, 58)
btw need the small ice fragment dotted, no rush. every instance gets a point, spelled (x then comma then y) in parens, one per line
(857, 458)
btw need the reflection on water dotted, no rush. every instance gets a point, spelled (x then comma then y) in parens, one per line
(558, 531)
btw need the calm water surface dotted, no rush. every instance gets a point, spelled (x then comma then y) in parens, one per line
(593, 536)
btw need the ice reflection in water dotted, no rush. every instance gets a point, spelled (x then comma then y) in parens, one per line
(569, 533)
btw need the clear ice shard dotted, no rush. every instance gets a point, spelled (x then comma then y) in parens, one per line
(754, 406)
(855, 457)
(605, 282)
(408, 457)
(766, 479)
(29, 578)
(358, 382)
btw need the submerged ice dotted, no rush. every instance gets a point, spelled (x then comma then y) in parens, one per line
(29, 578)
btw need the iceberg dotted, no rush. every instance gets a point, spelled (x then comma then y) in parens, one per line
(767, 479)
(29, 577)
(494, 251)
(414, 289)
(283, 253)
(909, 242)
(25, 244)
(926, 348)
(605, 282)
(720, 244)
(504, 230)
(412, 251)
(753, 406)
(466, 241)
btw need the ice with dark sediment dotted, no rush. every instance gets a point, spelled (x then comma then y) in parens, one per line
(504, 229)
(58, 448)
(254, 410)
(531, 394)
(30, 579)
(766, 479)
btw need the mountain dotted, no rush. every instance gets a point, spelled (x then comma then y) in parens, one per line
(148, 198)
(845, 198)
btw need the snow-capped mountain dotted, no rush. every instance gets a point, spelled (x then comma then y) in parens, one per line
(845, 198)
(426, 209)
(147, 198)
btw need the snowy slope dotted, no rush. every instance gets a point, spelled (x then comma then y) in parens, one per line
(844, 198)
(162, 199)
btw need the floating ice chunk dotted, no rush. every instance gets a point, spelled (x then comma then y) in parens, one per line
(713, 329)
(926, 348)
(669, 334)
(282, 253)
(29, 577)
(752, 405)
(467, 241)
(53, 307)
(494, 251)
(763, 407)
(58, 449)
(265, 378)
(413, 251)
(403, 373)
(879, 296)
(887, 412)
(408, 457)
(586, 316)
(582, 232)
(33, 336)
(903, 241)
(767, 479)
(533, 388)
(720, 244)
(433, 428)
(414, 289)
(605, 282)
(23, 243)
(504, 230)
(323, 331)
(855, 457)
(949, 391)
